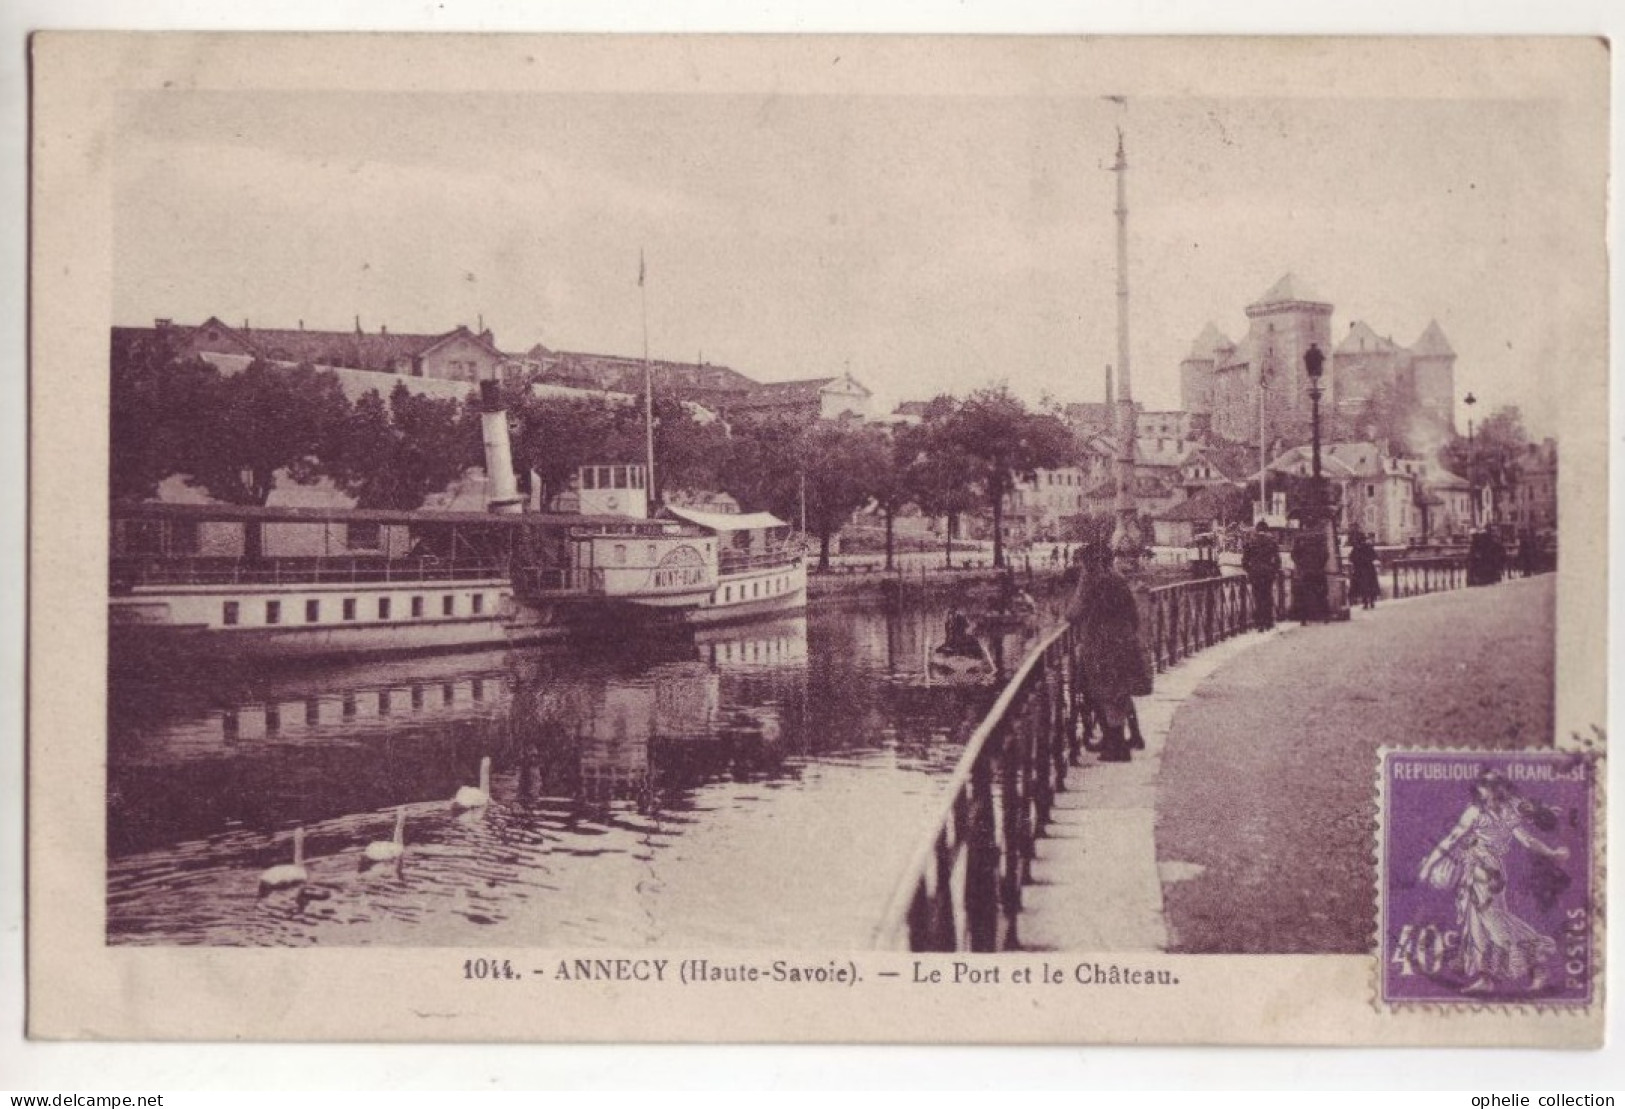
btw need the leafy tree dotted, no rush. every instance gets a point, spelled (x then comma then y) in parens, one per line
(840, 461)
(940, 477)
(394, 456)
(1388, 413)
(763, 467)
(267, 419)
(893, 482)
(557, 436)
(1005, 441)
(1489, 459)
(155, 398)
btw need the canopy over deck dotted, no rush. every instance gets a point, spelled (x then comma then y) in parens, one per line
(728, 521)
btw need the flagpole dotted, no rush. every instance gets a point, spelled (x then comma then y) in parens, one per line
(648, 386)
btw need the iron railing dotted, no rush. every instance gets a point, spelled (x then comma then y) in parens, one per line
(962, 890)
(1412, 577)
(131, 572)
(1178, 620)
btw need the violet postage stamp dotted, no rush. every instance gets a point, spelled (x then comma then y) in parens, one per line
(1486, 891)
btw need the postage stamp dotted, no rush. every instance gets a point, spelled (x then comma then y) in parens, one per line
(1486, 877)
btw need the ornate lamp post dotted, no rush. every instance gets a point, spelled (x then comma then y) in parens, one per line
(1314, 363)
(1472, 463)
(1314, 552)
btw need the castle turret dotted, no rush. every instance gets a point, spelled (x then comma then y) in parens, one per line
(1433, 368)
(1196, 371)
(1285, 321)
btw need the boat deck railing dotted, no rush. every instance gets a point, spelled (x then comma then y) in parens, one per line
(731, 562)
(130, 572)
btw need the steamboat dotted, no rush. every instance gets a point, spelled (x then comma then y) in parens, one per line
(256, 583)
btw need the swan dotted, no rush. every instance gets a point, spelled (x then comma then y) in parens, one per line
(384, 851)
(288, 875)
(468, 797)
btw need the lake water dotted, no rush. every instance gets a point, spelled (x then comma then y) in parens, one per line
(764, 785)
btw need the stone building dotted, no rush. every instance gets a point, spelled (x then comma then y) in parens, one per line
(1262, 376)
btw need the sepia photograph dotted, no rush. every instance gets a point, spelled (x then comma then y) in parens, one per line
(626, 530)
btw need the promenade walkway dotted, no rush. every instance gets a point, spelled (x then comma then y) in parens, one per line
(1247, 824)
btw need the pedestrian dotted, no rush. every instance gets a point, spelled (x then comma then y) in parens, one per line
(1309, 587)
(1111, 658)
(1363, 558)
(1261, 561)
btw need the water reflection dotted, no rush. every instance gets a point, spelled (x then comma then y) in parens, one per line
(762, 785)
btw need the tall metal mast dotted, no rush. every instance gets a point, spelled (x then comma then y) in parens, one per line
(648, 389)
(1126, 538)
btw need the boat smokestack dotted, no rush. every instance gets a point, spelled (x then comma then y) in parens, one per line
(503, 492)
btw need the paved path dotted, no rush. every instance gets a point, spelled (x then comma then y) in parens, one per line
(1247, 824)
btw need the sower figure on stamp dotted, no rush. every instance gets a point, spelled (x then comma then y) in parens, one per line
(1261, 560)
(1499, 950)
(1111, 659)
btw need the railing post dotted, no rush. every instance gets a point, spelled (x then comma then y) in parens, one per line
(981, 862)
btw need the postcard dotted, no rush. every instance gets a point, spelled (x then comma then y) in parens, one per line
(818, 539)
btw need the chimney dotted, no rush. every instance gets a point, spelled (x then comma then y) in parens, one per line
(301, 325)
(358, 325)
(1109, 400)
(163, 324)
(383, 329)
(245, 323)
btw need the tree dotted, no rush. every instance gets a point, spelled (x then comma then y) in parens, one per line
(940, 476)
(555, 436)
(1489, 459)
(893, 482)
(840, 461)
(155, 396)
(395, 456)
(250, 426)
(1006, 441)
(763, 467)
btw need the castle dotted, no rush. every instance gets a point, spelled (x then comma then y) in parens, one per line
(1262, 379)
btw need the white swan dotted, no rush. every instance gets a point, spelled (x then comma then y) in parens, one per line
(382, 852)
(288, 875)
(468, 797)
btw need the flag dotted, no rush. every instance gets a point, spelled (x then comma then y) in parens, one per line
(640, 267)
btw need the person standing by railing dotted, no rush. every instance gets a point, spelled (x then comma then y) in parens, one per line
(1261, 562)
(1363, 558)
(1111, 658)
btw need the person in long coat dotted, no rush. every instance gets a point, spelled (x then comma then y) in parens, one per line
(1114, 665)
(1261, 562)
(1363, 559)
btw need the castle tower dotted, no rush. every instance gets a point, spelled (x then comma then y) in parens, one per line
(1196, 371)
(1363, 366)
(1433, 368)
(1283, 324)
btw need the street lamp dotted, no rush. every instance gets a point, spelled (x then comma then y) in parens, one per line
(1472, 462)
(1314, 363)
(1314, 551)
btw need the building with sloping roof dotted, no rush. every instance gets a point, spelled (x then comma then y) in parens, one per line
(456, 355)
(1204, 513)
(1257, 387)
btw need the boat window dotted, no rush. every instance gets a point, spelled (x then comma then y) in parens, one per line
(273, 612)
(587, 477)
(383, 608)
(349, 608)
(477, 602)
(448, 605)
(728, 593)
(417, 607)
(363, 536)
(313, 611)
(620, 554)
(651, 550)
(229, 613)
